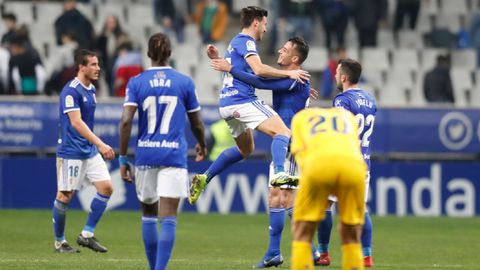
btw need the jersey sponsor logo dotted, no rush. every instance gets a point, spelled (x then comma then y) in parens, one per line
(251, 46)
(69, 101)
(158, 144)
(229, 93)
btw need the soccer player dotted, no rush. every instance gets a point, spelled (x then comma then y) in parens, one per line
(325, 145)
(289, 97)
(79, 154)
(363, 106)
(163, 98)
(242, 110)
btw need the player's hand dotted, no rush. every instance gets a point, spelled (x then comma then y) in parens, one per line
(106, 151)
(126, 173)
(201, 152)
(299, 75)
(221, 65)
(313, 93)
(212, 52)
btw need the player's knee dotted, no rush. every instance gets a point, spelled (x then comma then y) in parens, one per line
(64, 196)
(247, 150)
(350, 233)
(274, 198)
(106, 189)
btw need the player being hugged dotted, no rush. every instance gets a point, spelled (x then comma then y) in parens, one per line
(79, 154)
(163, 97)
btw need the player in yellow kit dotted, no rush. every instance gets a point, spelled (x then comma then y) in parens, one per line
(326, 147)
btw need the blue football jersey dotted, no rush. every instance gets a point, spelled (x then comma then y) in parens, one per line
(364, 107)
(163, 97)
(235, 91)
(76, 97)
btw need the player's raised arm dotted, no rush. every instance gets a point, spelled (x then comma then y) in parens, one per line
(263, 70)
(84, 131)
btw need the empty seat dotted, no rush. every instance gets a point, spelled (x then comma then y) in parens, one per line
(410, 39)
(462, 82)
(393, 95)
(317, 59)
(466, 58)
(208, 83)
(416, 97)
(429, 57)
(186, 58)
(448, 21)
(385, 39)
(375, 58)
(48, 12)
(405, 59)
(141, 15)
(458, 7)
(400, 77)
(352, 52)
(374, 77)
(428, 7)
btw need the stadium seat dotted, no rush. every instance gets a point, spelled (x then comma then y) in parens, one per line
(401, 77)
(405, 59)
(375, 58)
(141, 15)
(374, 77)
(393, 95)
(86, 10)
(208, 83)
(410, 39)
(458, 7)
(105, 10)
(317, 59)
(424, 23)
(466, 58)
(22, 9)
(428, 7)
(352, 52)
(429, 57)
(415, 96)
(475, 94)
(385, 39)
(48, 12)
(448, 21)
(237, 5)
(462, 82)
(186, 58)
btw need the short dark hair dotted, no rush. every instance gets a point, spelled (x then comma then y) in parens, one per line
(351, 68)
(9, 16)
(159, 48)
(251, 13)
(301, 46)
(81, 57)
(443, 59)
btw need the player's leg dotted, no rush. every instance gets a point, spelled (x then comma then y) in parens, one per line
(172, 185)
(96, 172)
(367, 230)
(351, 208)
(324, 230)
(146, 189)
(67, 179)
(301, 248)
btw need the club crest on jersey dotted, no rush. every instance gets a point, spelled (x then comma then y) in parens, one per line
(85, 99)
(251, 45)
(69, 101)
(236, 114)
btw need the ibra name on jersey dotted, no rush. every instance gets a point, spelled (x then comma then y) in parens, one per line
(160, 82)
(164, 144)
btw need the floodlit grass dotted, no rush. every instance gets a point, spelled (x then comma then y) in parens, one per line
(233, 241)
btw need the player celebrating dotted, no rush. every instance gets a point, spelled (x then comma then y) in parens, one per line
(325, 145)
(289, 97)
(78, 158)
(242, 110)
(163, 97)
(364, 107)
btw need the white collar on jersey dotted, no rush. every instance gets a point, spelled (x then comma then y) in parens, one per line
(90, 87)
(163, 67)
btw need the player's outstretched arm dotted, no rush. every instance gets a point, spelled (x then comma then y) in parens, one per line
(84, 131)
(198, 130)
(263, 70)
(212, 52)
(125, 132)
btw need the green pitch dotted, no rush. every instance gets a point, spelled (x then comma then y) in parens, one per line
(229, 242)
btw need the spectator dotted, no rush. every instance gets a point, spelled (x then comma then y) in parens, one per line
(440, 37)
(212, 19)
(437, 84)
(299, 18)
(464, 41)
(369, 16)
(127, 65)
(172, 16)
(26, 73)
(406, 8)
(328, 84)
(107, 44)
(61, 68)
(73, 21)
(10, 22)
(334, 14)
(4, 61)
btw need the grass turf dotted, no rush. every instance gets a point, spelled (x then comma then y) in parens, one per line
(232, 241)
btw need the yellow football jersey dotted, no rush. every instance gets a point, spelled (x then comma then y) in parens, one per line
(320, 132)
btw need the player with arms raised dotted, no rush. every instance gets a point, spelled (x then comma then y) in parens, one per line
(163, 97)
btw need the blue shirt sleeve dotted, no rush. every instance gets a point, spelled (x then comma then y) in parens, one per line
(131, 94)
(191, 101)
(246, 47)
(342, 102)
(284, 84)
(69, 100)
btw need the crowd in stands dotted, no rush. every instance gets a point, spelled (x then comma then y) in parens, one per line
(361, 29)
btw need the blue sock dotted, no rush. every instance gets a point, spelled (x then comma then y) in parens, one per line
(289, 212)
(225, 159)
(277, 222)
(99, 203)
(150, 239)
(323, 232)
(166, 239)
(367, 236)
(279, 152)
(59, 212)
